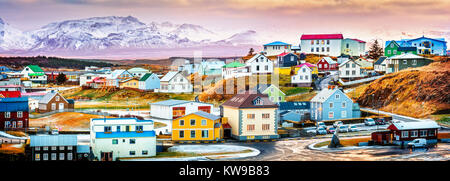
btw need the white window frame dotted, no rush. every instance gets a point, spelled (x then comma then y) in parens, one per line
(423, 131)
(405, 134)
(414, 134)
(332, 114)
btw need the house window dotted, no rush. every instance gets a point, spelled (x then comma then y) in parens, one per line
(389, 52)
(192, 122)
(328, 49)
(107, 129)
(61, 156)
(431, 133)
(353, 65)
(328, 42)
(337, 96)
(317, 42)
(69, 156)
(323, 49)
(395, 52)
(140, 128)
(53, 156)
(353, 72)
(53, 147)
(265, 127)
(45, 148)
(57, 98)
(181, 122)
(37, 148)
(343, 104)
(69, 147)
(118, 129)
(205, 133)
(181, 134)
(404, 134)
(423, 133)
(19, 114)
(344, 114)
(266, 116)
(413, 133)
(317, 49)
(312, 49)
(37, 156)
(115, 141)
(45, 156)
(251, 127)
(331, 105)
(61, 148)
(331, 114)
(325, 66)
(193, 134)
(53, 106)
(203, 122)
(132, 152)
(7, 114)
(312, 42)
(144, 152)
(347, 65)
(414, 62)
(250, 116)
(132, 141)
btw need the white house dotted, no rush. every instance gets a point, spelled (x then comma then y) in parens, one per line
(116, 76)
(85, 78)
(381, 64)
(350, 69)
(138, 72)
(323, 44)
(172, 109)
(113, 138)
(303, 78)
(276, 48)
(235, 70)
(174, 82)
(260, 64)
(35, 74)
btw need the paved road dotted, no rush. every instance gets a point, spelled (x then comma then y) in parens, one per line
(326, 81)
(397, 116)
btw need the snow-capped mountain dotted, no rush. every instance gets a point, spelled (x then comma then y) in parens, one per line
(113, 33)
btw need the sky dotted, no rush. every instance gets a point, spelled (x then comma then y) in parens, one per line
(283, 20)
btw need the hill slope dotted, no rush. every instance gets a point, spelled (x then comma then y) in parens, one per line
(415, 92)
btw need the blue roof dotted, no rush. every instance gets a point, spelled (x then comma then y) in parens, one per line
(277, 43)
(53, 140)
(293, 105)
(83, 149)
(380, 60)
(292, 116)
(125, 134)
(14, 104)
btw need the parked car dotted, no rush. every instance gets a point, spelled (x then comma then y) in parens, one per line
(331, 130)
(321, 131)
(337, 123)
(54, 131)
(417, 143)
(343, 129)
(321, 125)
(380, 121)
(353, 128)
(369, 122)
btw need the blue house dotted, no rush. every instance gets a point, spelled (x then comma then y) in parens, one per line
(424, 45)
(211, 67)
(4, 69)
(287, 59)
(149, 81)
(331, 104)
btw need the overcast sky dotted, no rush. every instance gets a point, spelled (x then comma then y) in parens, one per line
(283, 20)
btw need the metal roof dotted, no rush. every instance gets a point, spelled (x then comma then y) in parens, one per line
(321, 36)
(292, 116)
(407, 56)
(414, 125)
(380, 60)
(170, 102)
(49, 96)
(53, 140)
(207, 115)
(323, 95)
(293, 105)
(131, 134)
(83, 149)
(275, 43)
(14, 104)
(169, 76)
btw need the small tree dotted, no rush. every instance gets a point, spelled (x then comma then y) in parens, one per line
(375, 51)
(250, 52)
(61, 78)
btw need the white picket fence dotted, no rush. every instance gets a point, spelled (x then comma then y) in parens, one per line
(359, 81)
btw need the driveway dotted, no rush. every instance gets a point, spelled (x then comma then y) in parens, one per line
(323, 84)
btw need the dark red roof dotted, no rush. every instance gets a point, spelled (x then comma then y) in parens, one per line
(226, 125)
(360, 41)
(321, 36)
(245, 100)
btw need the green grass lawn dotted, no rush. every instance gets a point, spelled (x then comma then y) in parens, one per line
(294, 90)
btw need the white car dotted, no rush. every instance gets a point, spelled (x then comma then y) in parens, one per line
(353, 128)
(321, 125)
(343, 129)
(337, 123)
(416, 143)
(369, 122)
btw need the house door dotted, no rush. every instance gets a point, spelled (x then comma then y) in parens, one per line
(61, 106)
(106, 156)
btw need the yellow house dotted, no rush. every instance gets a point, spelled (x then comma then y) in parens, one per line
(130, 83)
(283, 70)
(311, 66)
(198, 126)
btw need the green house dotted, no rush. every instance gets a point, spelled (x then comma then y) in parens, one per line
(274, 93)
(393, 48)
(404, 61)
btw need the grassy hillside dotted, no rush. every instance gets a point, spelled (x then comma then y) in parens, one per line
(417, 92)
(51, 62)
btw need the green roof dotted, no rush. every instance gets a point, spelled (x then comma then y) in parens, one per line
(145, 77)
(35, 68)
(233, 65)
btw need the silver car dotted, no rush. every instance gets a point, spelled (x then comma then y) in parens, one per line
(343, 129)
(353, 128)
(321, 131)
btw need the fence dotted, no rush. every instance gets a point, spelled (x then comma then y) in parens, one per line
(359, 81)
(35, 116)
